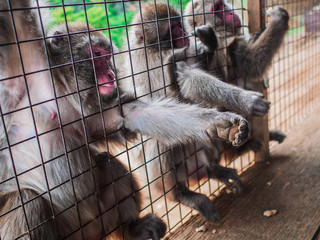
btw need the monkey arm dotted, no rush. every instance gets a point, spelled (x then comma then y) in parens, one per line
(251, 60)
(199, 86)
(172, 122)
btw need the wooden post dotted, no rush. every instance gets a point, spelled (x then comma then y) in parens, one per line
(256, 17)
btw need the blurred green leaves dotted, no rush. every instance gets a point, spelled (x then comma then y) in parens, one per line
(110, 16)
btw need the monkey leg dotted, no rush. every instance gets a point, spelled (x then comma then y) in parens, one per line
(35, 216)
(174, 180)
(124, 201)
(224, 174)
(215, 171)
(196, 201)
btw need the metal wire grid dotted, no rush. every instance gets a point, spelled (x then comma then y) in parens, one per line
(294, 75)
(288, 108)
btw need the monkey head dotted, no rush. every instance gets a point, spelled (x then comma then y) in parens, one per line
(81, 60)
(218, 14)
(159, 22)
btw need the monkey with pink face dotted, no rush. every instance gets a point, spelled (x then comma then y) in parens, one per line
(156, 32)
(223, 53)
(156, 42)
(59, 98)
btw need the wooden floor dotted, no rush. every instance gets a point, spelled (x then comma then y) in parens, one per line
(289, 182)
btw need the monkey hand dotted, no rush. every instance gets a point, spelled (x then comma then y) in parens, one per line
(279, 17)
(207, 36)
(224, 175)
(253, 104)
(230, 127)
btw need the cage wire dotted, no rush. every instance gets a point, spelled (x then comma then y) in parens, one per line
(294, 93)
(293, 77)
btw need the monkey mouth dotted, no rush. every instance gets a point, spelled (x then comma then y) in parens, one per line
(107, 88)
(106, 84)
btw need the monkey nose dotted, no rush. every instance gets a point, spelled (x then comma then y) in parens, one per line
(110, 76)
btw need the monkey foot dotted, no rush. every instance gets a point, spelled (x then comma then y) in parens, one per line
(230, 127)
(207, 36)
(224, 175)
(150, 226)
(277, 135)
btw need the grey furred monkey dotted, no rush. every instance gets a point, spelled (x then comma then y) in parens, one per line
(53, 177)
(244, 60)
(228, 56)
(147, 54)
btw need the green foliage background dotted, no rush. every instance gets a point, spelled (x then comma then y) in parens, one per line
(101, 15)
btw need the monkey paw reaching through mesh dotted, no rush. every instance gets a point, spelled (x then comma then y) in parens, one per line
(230, 127)
(279, 16)
(207, 36)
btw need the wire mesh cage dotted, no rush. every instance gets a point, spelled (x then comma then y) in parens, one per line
(77, 77)
(293, 75)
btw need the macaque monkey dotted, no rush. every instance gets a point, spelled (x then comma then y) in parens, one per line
(228, 56)
(58, 98)
(150, 44)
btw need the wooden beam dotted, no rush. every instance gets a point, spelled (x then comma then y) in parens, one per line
(260, 129)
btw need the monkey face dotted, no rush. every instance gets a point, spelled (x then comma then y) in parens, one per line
(104, 72)
(158, 29)
(84, 61)
(218, 14)
(178, 35)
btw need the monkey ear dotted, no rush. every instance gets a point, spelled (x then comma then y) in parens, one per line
(56, 38)
(139, 35)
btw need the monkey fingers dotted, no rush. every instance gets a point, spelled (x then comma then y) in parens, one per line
(207, 37)
(230, 127)
(260, 107)
(253, 104)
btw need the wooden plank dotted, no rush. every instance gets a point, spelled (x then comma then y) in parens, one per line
(293, 170)
(259, 124)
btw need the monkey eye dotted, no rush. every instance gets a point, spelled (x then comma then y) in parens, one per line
(97, 53)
